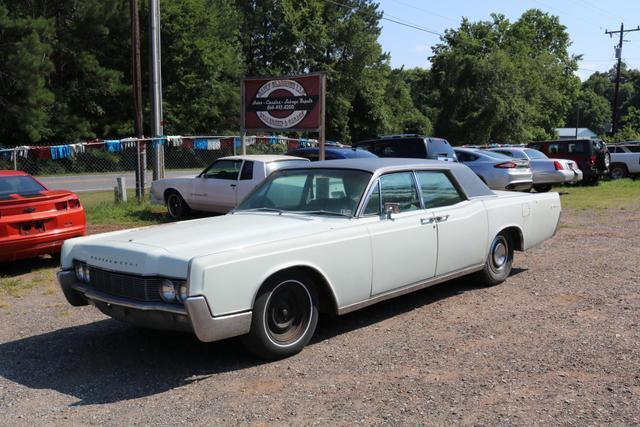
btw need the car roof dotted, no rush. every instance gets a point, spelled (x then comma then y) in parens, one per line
(471, 184)
(266, 158)
(348, 152)
(13, 173)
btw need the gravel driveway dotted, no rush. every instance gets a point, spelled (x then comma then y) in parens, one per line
(557, 343)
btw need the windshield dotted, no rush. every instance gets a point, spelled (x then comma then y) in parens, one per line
(535, 154)
(21, 185)
(311, 191)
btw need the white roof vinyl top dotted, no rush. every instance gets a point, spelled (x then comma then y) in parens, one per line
(266, 158)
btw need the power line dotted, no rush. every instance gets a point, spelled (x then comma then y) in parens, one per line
(599, 9)
(393, 19)
(425, 11)
(568, 14)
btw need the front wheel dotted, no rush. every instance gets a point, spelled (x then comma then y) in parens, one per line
(176, 206)
(498, 264)
(285, 315)
(618, 171)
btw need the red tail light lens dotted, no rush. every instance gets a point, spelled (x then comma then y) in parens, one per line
(60, 206)
(558, 165)
(505, 165)
(592, 160)
(74, 203)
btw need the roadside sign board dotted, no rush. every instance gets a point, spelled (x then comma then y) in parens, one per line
(292, 103)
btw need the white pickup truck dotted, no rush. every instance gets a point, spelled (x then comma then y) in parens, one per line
(625, 160)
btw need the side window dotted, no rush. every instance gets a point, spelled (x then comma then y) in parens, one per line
(373, 205)
(400, 188)
(555, 148)
(247, 171)
(576, 147)
(224, 169)
(612, 149)
(438, 190)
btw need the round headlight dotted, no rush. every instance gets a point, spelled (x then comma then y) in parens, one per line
(80, 272)
(168, 291)
(182, 292)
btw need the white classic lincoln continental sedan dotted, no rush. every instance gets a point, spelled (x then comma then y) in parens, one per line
(331, 236)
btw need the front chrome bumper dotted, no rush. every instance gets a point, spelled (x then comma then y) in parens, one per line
(195, 316)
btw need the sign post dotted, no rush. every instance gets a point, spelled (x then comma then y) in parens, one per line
(290, 103)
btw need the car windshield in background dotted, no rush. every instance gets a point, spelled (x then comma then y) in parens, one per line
(281, 164)
(495, 155)
(535, 154)
(311, 191)
(22, 185)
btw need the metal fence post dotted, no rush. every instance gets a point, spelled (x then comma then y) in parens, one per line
(15, 160)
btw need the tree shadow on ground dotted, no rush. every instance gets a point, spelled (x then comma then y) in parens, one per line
(108, 361)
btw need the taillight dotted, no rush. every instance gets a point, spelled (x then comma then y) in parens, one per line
(505, 165)
(74, 203)
(558, 165)
(592, 160)
(60, 206)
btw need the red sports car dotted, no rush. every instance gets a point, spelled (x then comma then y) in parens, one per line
(33, 220)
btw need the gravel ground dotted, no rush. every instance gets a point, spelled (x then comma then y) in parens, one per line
(557, 343)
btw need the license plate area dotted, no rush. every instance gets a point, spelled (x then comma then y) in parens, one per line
(29, 228)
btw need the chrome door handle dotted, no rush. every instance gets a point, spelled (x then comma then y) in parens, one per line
(233, 185)
(442, 218)
(425, 221)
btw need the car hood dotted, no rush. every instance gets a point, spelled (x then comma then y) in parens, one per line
(169, 247)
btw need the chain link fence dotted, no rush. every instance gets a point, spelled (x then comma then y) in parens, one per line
(92, 160)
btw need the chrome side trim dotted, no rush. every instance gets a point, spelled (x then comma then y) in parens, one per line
(208, 328)
(124, 302)
(408, 289)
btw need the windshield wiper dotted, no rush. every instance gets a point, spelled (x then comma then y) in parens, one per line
(321, 212)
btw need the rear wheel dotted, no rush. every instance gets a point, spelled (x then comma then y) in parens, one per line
(285, 315)
(542, 188)
(618, 171)
(498, 264)
(176, 206)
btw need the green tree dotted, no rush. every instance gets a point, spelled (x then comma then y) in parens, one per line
(25, 65)
(594, 111)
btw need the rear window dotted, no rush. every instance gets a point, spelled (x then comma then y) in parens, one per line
(496, 155)
(406, 148)
(633, 148)
(535, 154)
(439, 149)
(274, 166)
(22, 185)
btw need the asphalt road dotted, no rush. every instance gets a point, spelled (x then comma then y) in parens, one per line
(103, 181)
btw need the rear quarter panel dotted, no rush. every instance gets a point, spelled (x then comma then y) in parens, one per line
(535, 215)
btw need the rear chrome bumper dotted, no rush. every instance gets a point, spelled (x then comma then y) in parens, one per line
(195, 316)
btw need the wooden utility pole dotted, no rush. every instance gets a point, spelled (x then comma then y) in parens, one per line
(614, 118)
(136, 78)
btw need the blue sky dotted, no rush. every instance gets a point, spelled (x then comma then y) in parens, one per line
(586, 21)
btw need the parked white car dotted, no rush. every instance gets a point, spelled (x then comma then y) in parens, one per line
(331, 236)
(546, 172)
(220, 187)
(625, 160)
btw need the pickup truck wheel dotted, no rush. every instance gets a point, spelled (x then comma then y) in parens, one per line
(498, 264)
(285, 315)
(618, 171)
(176, 206)
(542, 188)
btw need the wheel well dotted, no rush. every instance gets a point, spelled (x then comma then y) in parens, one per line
(622, 165)
(516, 236)
(328, 302)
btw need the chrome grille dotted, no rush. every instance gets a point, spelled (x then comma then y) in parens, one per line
(125, 285)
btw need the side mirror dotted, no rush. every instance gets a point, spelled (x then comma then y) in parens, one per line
(391, 208)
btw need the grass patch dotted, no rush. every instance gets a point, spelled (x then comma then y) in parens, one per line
(15, 287)
(622, 194)
(101, 208)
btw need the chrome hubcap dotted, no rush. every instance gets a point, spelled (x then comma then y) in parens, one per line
(499, 254)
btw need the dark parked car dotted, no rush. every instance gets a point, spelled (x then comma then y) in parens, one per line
(410, 146)
(591, 155)
(330, 153)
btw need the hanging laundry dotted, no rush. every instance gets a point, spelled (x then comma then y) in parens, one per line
(187, 143)
(60, 152)
(273, 140)
(41, 152)
(129, 142)
(113, 145)
(213, 144)
(303, 142)
(200, 144)
(159, 141)
(77, 148)
(237, 142)
(6, 154)
(174, 140)
(226, 144)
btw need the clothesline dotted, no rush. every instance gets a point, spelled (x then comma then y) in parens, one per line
(201, 142)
